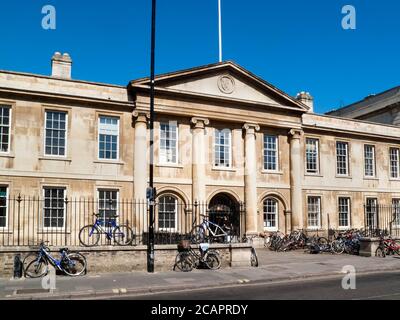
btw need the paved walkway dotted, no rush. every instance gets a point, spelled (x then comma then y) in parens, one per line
(273, 267)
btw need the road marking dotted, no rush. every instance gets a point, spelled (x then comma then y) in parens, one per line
(115, 291)
(381, 296)
(123, 290)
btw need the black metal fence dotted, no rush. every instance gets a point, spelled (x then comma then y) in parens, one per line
(382, 219)
(25, 221)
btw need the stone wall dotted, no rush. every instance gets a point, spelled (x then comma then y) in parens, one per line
(123, 259)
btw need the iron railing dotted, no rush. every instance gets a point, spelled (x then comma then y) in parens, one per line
(382, 220)
(25, 221)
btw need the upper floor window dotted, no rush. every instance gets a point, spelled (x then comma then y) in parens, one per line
(3, 206)
(169, 142)
(270, 153)
(56, 133)
(222, 148)
(344, 212)
(108, 138)
(314, 211)
(5, 115)
(312, 155)
(54, 207)
(394, 163)
(342, 158)
(369, 160)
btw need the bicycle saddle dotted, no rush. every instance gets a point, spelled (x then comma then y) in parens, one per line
(63, 249)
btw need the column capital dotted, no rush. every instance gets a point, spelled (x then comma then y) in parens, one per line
(296, 133)
(251, 128)
(140, 116)
(199, 122)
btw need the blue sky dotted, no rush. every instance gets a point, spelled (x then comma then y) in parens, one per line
(295, 45)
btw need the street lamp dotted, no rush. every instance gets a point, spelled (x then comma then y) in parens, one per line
(151, 194)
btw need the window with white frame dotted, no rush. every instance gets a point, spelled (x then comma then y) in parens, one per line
(222, 148)
(108, 138)
(56, 133)
(5, 123)
(371, 209)
(394, 163)
(167, 213)
(369, 160)
(314, 211)
(396, 211)
(54, 207)
(108, 205)
(270, 152)
(342, 158)
(169, 142)
(312, 155)
(3, 206)
(270, 214)
(344, 212)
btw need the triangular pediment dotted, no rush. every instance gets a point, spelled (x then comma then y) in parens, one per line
(224, 80)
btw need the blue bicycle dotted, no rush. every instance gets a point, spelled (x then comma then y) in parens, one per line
(36, 265)
(89, 236)
(210, 231)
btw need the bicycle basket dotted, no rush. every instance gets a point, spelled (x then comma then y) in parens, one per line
(183, 245)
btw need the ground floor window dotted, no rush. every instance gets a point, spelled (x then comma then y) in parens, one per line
(344, 212)
(314, 211)
(371, 210)
(270, 214)
(3, 206)
(167, 213)
(396, 211)
(108, 205)
(54, 207)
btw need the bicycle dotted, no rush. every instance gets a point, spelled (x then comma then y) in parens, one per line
(253, 257)
(89, 235)
(188, 259)
(36, 265)
(198, 233)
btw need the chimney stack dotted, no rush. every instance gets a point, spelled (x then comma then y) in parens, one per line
(61, 66)
(306, 99)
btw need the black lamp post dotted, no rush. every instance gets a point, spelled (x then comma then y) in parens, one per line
(151, 192)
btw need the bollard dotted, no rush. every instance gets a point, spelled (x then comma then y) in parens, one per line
(17, 267)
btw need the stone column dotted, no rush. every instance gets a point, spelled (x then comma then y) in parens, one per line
(250, 178)
(199, 159)
(296, 166)
(140, 156)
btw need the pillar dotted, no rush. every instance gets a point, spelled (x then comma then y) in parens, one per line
(140, 156)
(250, 178)
(296, 166)
(199, 159)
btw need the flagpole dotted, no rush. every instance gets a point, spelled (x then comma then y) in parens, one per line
(220, 30)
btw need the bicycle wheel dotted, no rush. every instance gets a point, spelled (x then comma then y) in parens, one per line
(212, 261)
(123, 235)
(35, 268)
(74, 264)
(337, 247)
(323, 241)
(89, 236)
(183, 262)
(197, 235)
(254, 258)
(380, 252)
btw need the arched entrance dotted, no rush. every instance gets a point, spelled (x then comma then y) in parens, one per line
(224, 209)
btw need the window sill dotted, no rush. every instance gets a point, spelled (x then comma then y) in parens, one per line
(270, 229)
(53, 231)
(371, 178)
(313, 228)
(121, 163)
(223, 169)
(344, 228)
(271, 172)
(170, 165)
(318, 175)
(394, 179)
(343, 177)
(7, 155)
(55, 159)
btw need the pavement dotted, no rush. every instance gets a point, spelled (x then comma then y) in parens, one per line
(273, 267)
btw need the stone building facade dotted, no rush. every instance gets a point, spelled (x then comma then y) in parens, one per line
(222, 135)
